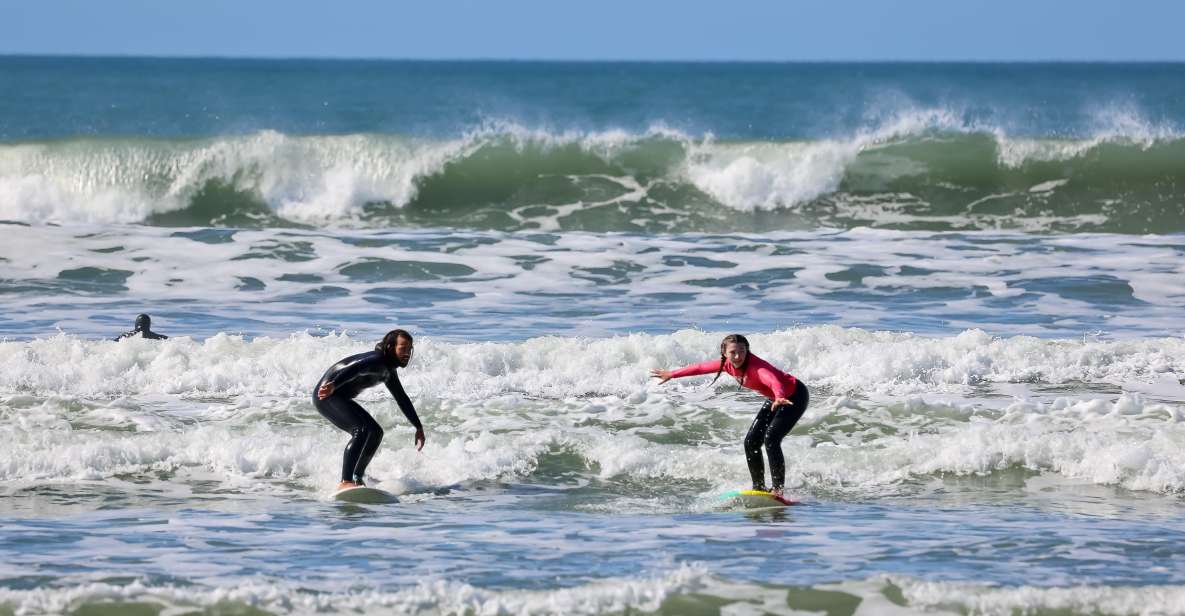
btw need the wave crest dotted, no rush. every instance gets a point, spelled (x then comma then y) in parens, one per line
(918, 169)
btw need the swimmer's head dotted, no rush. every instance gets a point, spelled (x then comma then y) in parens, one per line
(396, 347)
(143, 323)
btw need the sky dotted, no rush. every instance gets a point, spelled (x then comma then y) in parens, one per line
(648, 30)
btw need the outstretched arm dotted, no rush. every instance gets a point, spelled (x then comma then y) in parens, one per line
(706, 367)
(405, 405)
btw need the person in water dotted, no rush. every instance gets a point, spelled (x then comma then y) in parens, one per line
(335, 393)
(787, 401)
(143, 329)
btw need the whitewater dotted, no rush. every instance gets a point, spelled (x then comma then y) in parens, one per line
(978, 270)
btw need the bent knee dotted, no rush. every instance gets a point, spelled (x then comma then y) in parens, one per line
(369, 431)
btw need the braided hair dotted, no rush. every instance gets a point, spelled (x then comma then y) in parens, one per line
(738, 339)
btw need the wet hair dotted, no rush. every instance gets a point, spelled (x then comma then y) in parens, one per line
(143, 322)
(739, 339)
(386, 348)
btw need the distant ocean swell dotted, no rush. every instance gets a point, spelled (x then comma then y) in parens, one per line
(920, 171)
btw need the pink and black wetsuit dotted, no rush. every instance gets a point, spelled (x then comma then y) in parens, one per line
(760, 376)
(771, 425)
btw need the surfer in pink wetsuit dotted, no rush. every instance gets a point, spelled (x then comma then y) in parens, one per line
(787, 401)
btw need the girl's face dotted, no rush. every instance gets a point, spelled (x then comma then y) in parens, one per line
(736, 354)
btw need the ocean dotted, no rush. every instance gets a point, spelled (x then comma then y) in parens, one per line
(978, 270)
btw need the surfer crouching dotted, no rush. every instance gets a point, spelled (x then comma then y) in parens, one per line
(335, 393)
(787, 401)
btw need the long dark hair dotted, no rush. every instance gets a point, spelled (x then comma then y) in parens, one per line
(739, 339)
(386, 348)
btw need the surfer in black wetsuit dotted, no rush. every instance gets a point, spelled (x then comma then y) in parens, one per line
(335, 393)
(143, 329)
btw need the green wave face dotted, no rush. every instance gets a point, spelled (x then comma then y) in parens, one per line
(656, 182)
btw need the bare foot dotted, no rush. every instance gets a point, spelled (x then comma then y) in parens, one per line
(349, 484)
(778, 493)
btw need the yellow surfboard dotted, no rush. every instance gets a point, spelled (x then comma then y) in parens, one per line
(754, 499)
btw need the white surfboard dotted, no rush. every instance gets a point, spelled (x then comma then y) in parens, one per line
(363, 494)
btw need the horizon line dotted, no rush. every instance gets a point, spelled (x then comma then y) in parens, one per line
(491, 59)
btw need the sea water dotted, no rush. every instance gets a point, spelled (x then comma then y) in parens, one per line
(979, 271)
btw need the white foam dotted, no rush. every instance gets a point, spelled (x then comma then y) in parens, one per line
(881, 595)
(429, 597)
(41, 183)
(770, 175)
(1127, 442)
(301, 178)
(1046, 186)
(606, 144)
(766, 176)
(984, 599)
(750, 176)
(841, 359)
(1110, 124)
(914, 407)
(330, 178)
(1019, 273)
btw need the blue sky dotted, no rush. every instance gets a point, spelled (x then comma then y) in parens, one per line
(1012, 30)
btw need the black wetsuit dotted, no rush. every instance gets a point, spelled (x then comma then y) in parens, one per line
(768, 429)
(143, 333)
(144, 329)
(350, 376)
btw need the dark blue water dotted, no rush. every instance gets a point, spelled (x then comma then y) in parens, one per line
(63, 97)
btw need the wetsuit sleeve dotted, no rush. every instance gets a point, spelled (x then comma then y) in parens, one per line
(707, 367)
(404, 402)
(767, 375)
